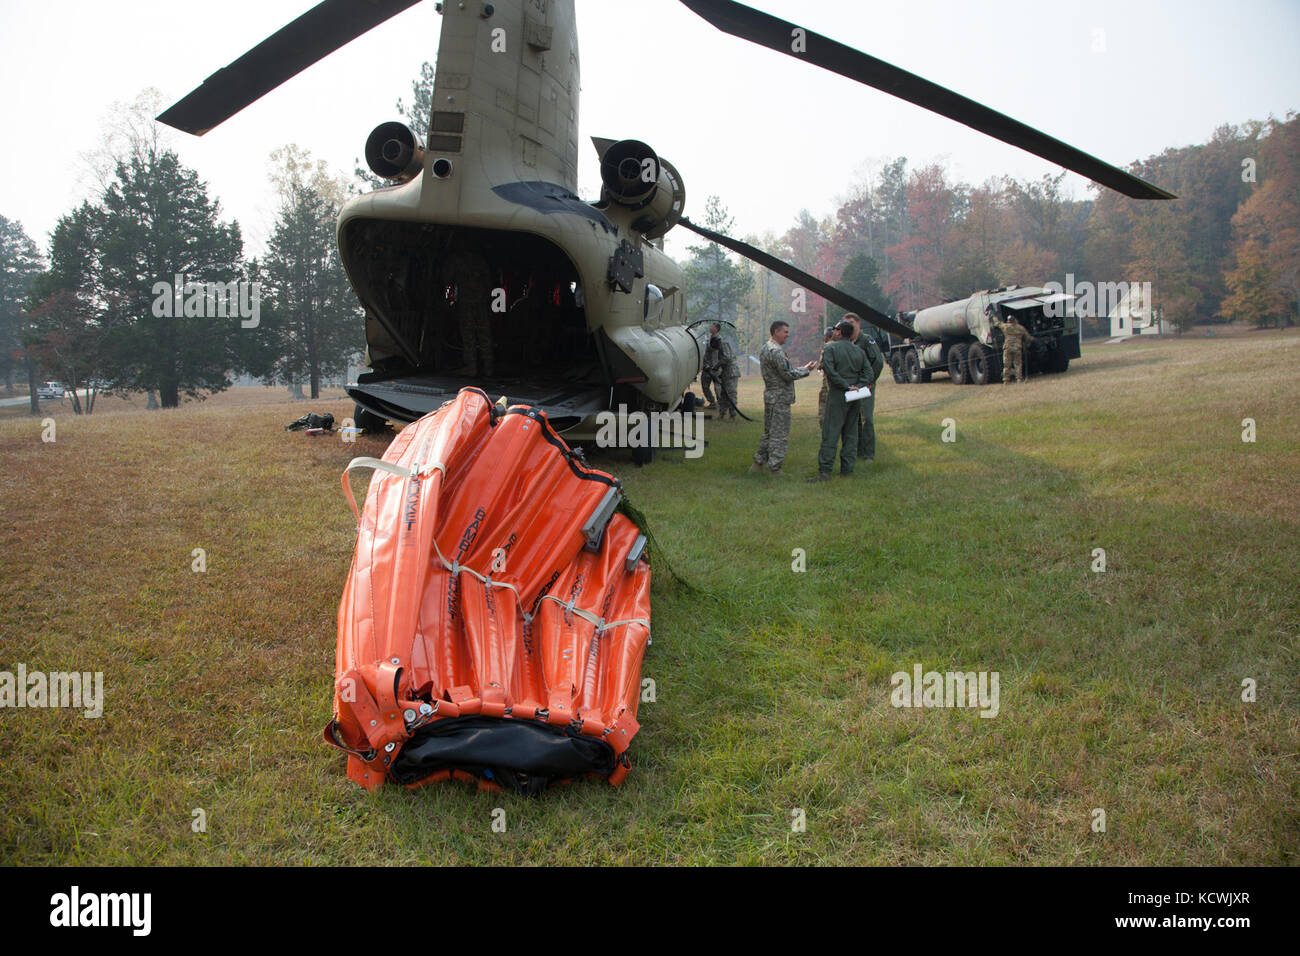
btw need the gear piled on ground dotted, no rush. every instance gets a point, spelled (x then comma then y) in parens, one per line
(497, 610)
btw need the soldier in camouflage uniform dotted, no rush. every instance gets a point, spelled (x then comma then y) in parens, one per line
(778, 396)
(709, 373)
(728, 377)
(1014, 337)
(867, 406)
(830, 334)
(468, 289)
(846, 369)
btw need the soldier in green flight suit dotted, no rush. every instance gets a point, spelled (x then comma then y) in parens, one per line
(846, 369)
(876, 360)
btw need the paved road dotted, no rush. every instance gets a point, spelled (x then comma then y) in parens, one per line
(45, 402)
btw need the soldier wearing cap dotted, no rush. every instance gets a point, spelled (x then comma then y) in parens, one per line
(1014, 337)
(778, 395)
(847, 370)
(709, 374)
(728, 375)
(830, 333)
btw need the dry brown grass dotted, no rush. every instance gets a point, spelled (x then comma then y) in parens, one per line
(1119, 690)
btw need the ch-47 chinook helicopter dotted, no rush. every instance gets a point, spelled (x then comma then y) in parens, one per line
(587, 311)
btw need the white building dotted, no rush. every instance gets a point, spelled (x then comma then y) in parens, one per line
(1135, 314)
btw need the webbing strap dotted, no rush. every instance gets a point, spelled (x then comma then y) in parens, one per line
(456, 568)
(380, 465)
(598, 622)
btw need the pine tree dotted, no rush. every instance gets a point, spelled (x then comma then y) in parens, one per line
(716, 286)
(20, 263)
(315, 320)
(861, 279)
(159, 223)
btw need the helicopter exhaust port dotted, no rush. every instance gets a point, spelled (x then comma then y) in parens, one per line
(636, 178)
(393, 152)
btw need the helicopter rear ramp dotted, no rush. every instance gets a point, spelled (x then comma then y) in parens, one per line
(403, 398)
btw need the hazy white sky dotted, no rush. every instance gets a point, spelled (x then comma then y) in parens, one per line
(769, 134)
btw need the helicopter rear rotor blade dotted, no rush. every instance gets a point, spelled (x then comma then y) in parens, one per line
(779, 35)
(809, 282)
(320, 31)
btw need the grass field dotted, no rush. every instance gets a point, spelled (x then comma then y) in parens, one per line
(1119, 691)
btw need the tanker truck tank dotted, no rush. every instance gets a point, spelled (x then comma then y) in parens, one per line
(964, 338)
(954, 319)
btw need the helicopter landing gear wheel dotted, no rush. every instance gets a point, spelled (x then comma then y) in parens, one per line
(368, 420)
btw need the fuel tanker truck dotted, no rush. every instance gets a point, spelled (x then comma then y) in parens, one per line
(964, 338)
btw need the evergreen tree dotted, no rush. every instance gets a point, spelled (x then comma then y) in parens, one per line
(716, 286)
(65, 326)
(861, 279)
(315, 321)
(157, 223)
(20, 263)
(417, 117)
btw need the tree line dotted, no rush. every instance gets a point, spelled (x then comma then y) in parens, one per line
(145, 288)
(1227, 250)
(133, 290)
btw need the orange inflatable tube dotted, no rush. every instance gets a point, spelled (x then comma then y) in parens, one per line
(497, 610)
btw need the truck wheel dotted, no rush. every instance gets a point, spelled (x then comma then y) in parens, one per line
(368, 420)
(977, 364)
(957, 364)
(912, 365)
(1060, 361)
(896, 366)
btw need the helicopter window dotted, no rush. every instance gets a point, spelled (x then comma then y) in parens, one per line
(654, 303)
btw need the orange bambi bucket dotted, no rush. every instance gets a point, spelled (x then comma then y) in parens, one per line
(496, 613)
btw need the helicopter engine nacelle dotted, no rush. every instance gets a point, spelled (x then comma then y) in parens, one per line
(636, 178)
(393, 152)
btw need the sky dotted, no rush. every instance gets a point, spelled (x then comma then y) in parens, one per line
(1121, 79)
